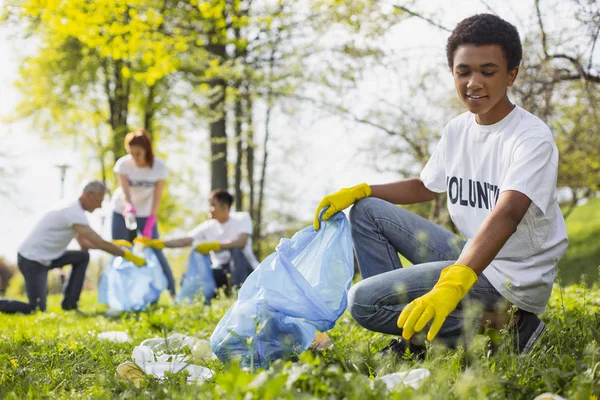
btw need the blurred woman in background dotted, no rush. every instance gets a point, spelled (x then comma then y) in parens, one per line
(135, 203)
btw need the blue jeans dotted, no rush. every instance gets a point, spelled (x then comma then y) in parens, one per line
(120, 231)
(381, 230)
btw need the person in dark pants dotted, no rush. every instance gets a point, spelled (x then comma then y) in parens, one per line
(141, 178)
(226, 236)
(45, 249)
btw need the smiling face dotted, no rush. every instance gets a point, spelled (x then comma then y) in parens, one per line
(481, 78)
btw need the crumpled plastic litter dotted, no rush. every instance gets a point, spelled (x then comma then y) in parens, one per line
(413, 378)
(115, 336)
(549, 396)
(321, 342)
(174, 343)
(157, 356)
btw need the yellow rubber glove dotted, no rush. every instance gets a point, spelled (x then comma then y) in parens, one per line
(454, 283)
(122, 243)
(154, 243)
(139, 261)
(205, 248)
(340, 200)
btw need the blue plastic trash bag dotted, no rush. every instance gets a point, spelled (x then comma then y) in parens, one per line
(300, 288)
(198, 279)
(126, 287)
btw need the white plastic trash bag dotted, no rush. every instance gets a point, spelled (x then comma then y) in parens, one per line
(413, 378)
(115, 336)
(157, 356)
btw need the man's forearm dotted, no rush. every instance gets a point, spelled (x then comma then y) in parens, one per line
(486, 244)
(85, 244)
(233, 244)
(408, 191)
(110, 248)
(156, 196)
(182, 242)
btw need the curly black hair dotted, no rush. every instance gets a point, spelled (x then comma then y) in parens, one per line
(483, 29)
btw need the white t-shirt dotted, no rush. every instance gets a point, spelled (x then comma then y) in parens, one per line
(474, 164)
(53, 233)
(214, 231)
(141, 184)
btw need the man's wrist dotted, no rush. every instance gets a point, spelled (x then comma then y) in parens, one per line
(458, 275)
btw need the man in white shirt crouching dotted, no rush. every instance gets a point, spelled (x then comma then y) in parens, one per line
(46, 248)
(226, 236)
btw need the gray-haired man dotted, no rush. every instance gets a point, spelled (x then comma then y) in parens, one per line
(46, 248)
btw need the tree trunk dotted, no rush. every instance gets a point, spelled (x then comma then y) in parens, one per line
(149, 110)
(218, 140)
(218, 132)
(263, 174)
(117, 89)
(238, 112)
(250, 153)
(239, 145)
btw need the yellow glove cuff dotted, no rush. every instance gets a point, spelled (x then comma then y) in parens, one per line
(122, 243)
(206, 248)
(366, 189)
(458, 275)
(154, 243)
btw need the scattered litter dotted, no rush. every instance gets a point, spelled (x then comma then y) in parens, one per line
(197, 373)
(549, 396)
(115, 336)
(322, 342)
(131, 372)
(174, 343)
(159, 355)
(413, 378)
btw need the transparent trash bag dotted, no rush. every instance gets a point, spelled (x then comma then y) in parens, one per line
(126, 287)
(300, 288)
(197, 280)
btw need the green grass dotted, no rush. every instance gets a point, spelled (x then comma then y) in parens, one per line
(583, 255)
(57, 355)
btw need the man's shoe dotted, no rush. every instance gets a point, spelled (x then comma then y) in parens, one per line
(528, 331)
(399, 346)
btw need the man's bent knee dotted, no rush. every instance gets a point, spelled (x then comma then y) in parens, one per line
(359, 304)
(85, 256)
(361, 207)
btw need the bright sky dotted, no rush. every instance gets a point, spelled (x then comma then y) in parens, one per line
(37, 185)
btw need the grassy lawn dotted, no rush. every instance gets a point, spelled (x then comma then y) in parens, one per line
(57, 354)
(583, 255)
